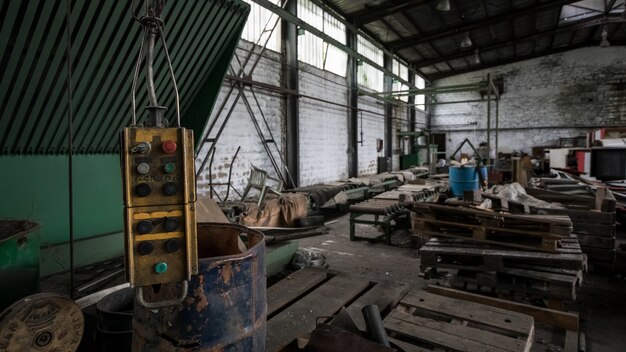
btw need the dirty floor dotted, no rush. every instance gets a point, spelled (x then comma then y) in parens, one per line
(601, 300)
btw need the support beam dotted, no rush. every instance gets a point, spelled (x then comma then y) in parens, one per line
(581, 24)
(377, 12)
(291, 18)
(290, 78)
(353, 112)
(426, 37)
(520, 58)
(388, 81)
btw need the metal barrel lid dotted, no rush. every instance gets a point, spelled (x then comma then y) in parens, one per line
(41, 322)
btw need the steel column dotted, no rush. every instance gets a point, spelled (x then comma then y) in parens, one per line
(388, 86)
(412, 115)
(290, 77)
(353, 112)
(497, 123)
(489, 120)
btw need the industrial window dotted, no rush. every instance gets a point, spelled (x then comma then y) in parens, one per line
(259, 24)
(315, 51)
(369, 76)
(402, 71)
(420, 99)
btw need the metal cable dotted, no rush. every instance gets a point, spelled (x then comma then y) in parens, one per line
(70, 141)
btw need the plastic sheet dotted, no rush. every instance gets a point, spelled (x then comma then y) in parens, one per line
(515, 192)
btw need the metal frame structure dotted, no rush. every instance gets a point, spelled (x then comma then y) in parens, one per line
(487, 86)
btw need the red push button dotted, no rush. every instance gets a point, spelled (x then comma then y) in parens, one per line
(169, 147)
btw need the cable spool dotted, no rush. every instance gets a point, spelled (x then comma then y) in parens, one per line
(41, 322)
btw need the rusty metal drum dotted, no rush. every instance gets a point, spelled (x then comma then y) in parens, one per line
(225, 308)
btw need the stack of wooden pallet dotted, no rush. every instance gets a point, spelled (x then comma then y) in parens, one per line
(593, 218)
(525, 256)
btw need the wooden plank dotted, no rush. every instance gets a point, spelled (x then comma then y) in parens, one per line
(580, 215)
(596, 241)
(543, 245)
(571, 341)
(594, 229)
(564, 320)
(385, 295)
(292, 287)
(568, 259)
(409, 326)
(327, 338)
(511, 322)
(299, 318)
(605, 200)
(407, 347)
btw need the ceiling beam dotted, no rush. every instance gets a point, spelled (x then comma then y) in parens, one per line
(507, 16)
(374, 13)
(578, 25)
(516, 59)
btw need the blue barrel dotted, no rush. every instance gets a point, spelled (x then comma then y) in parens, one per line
(465, 178)
(226, 306)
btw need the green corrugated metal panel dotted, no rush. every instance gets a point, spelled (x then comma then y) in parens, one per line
(35, 188)
(201, 36)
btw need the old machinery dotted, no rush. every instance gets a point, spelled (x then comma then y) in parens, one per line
(159, 185)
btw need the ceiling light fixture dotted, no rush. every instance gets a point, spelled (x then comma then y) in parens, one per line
(443, 5)
(467, 41)
(604, 43)
(476, 57)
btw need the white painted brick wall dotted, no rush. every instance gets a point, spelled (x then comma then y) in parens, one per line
(544, 99)
(372, 124)
(323, 127)
(239, 130)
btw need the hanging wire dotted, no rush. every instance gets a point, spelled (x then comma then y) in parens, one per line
(151, 25)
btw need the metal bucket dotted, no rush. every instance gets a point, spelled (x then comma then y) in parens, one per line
(465, 178)
(226, 307)
(115, 329)
(19, 260)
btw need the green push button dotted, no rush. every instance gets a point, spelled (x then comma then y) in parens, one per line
(169, 168)
(160, 268)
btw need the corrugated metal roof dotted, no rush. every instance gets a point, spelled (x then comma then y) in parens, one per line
(201, 37)
(502, 31)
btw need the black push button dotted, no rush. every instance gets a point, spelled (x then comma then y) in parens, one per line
(171, 224)
(172, 245)
(145, 247)
(143, 190)
(170, 188)
(144, 226)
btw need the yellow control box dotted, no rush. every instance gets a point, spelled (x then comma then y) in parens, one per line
(159, 199)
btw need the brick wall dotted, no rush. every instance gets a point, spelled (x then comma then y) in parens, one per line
(323, 150)
(561, 95)
(240, 131)
(323, 127)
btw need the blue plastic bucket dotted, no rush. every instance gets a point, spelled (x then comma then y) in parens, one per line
(465, 179)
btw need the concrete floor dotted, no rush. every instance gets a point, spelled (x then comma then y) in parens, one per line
(601, 300)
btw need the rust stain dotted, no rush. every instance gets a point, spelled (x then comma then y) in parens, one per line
(203, 301)
(227, 273)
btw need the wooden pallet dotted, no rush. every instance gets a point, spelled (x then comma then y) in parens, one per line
(555, 225)
(295, 303)
(513, 238)
(459, 254)
(428, 322)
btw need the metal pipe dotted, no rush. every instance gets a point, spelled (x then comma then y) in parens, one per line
(230, 174)
(70, 141)
(497, 122)
(374, 324)
(489, 121)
